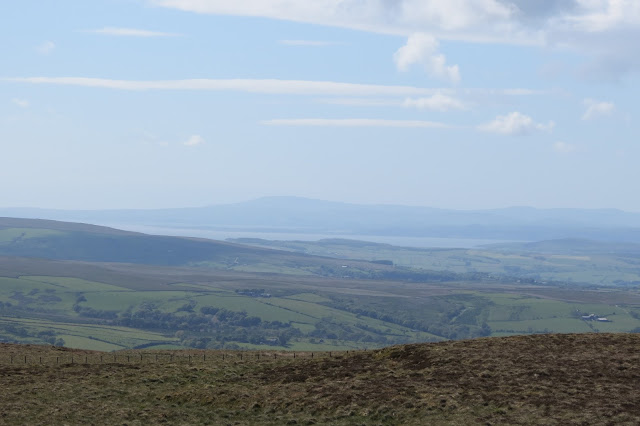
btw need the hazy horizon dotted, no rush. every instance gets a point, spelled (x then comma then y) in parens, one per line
(371, 204)
(465, 105)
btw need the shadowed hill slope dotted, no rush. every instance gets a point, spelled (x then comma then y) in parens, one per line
(45, 239)
(76, 241)
(538, 379)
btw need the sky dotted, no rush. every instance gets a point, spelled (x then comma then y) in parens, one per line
(463, 104)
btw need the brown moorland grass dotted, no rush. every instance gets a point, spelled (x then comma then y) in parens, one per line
(539, 379)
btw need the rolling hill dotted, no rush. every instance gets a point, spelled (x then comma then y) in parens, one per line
(100, 288)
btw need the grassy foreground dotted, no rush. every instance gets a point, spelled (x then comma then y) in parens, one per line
(537, 379)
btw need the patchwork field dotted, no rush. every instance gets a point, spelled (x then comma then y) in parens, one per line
(212, 311)
(217, 295)
(575, 261)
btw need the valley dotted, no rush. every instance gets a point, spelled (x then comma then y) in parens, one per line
(99, 288)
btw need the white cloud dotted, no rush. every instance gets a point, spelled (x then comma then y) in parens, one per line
(422, 49)
(564, 148)
(514, 123)
(366, 102)
(46, 48)
(353, 122)
(312, 43)
(437, 102)
(22, 103)
(131, 32)
(603, 15)
(402, 17)
(597, 109)
(266, 86)
(263, 86)
(194, 140)
(602, 29)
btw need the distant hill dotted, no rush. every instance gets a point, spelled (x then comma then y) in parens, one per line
(46, 239)
(301, 215)
(55, 225)
(539, 379)
(570, 246)
(75, 241)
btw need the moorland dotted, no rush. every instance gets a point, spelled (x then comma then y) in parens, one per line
(537, 379)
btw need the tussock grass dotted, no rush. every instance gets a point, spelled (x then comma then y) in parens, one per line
(539, 379)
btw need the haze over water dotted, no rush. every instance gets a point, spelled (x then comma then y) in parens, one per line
(223, 234)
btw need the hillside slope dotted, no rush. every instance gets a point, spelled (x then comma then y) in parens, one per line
(540, 379)
(77, 241)
(45, 239)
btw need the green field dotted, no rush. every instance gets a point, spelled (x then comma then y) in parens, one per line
(103, 316)
(83, 336)
(578, 262)
(217, 295)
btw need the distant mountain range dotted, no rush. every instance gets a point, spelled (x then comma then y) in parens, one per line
(302, 215)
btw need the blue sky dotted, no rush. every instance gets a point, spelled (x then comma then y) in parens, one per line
(457, 104)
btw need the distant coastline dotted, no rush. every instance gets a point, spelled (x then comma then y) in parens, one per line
(226, 233)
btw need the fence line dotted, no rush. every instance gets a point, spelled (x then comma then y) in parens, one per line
(165, 358)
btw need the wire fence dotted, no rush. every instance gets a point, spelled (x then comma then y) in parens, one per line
(208, 357)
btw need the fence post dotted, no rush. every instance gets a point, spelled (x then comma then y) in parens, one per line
(127, 358)
(100, 359)
(71, 359)
(25, 359)
(11, 359)
(311, 354)
(57, 360)
(329, 354)
(294, 355)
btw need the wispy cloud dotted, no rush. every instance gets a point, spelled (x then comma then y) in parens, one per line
(131, 32)
(46, 48)
(353, 122)
(312, 43)
(22, 103)
(422, 49)
(514, 123)
(437, 102)
(266, 86)
(597, 109)
(365, 102)
(402, 17)
(194, 140)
